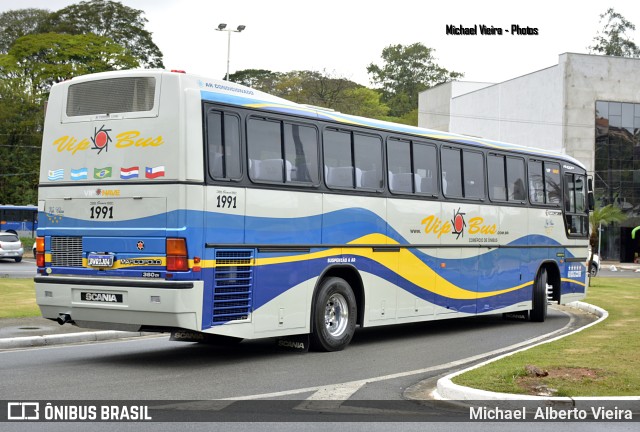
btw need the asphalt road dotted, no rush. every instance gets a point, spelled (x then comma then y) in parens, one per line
(377, 368)
(379, 364)
(24, 269)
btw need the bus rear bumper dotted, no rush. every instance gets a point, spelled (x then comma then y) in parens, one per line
(121, 304)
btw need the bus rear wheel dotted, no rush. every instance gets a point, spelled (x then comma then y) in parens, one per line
(334, 315)
(539, 311)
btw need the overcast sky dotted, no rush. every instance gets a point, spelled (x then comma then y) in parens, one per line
(342, 37)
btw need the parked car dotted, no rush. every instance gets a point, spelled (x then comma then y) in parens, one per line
(594, 266)
(11, 246)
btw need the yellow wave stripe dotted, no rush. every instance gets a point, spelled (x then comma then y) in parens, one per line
(417, 272)
(573, 281)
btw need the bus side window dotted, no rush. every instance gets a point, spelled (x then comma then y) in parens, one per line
(425, 163)
(223, 145)
(536, 187)
(301, 153)
(497, 181)
(451, 172)
(516, 179)
(338, 159)
(553, 189)
(368, 161)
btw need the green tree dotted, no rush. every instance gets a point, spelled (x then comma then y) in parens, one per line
(109, 19)
(613, 40)
(33, 64)
(406, 71)
(362, 101)
(17, 23)
(20, 140)
(315, 88)
(38, 61)
(259, 79)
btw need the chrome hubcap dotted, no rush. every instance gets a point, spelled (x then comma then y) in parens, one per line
(336, 315)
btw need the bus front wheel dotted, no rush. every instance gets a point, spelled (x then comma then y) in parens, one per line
(334, 315)
(539, 311)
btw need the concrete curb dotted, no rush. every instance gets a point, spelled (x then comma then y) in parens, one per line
(447, 390)
(58, 339)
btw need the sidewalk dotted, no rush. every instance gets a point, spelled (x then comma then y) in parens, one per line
(38, 331)
(606, 265)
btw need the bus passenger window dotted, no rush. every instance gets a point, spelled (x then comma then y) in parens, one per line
(451, 172)
(301, 152)
(338, 159)
(473, 174)
(552, 187)
(515, 179)
(425, 164)
(368, 160)
(223, 145)
(536, 187)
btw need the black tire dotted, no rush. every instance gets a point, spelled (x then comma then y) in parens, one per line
(539, 311)
(593, 270)
(334, 315)
(18, 259)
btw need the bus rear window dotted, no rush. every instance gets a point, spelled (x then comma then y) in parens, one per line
(111, 96)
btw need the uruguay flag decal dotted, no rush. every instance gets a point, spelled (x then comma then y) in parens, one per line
(154, 172)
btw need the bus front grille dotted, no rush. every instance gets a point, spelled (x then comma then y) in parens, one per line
(233, 286)
(66, 251)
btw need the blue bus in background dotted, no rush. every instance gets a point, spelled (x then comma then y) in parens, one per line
(21, 219)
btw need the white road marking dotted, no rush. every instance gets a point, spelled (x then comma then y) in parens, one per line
(343, 391)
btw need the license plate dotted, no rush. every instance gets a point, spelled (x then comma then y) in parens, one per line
(100, 260)
(101, 297)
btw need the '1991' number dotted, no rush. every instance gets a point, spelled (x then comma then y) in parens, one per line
(102, 212)
(226, 201)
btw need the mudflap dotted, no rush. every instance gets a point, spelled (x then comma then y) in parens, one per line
(516, 316)
(296, 343)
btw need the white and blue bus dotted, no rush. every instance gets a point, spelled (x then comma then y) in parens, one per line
(175, 203)
(21, 219)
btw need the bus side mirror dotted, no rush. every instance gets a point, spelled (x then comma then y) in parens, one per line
(591, 202)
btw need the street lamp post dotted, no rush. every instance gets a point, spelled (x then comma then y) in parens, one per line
(223, 27)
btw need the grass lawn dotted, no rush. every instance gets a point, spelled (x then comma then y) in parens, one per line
(603, 360)
(18, 298)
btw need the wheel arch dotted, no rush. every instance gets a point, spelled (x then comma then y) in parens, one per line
(553, 277)
(351, 275)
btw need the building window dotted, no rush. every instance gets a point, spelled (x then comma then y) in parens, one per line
(617, 166)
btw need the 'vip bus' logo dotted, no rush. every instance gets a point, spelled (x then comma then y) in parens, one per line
(101, 139)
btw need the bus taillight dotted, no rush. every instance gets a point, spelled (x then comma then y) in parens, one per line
(40, 251)
(177, 259)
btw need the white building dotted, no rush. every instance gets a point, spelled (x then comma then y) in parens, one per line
(586, 106)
